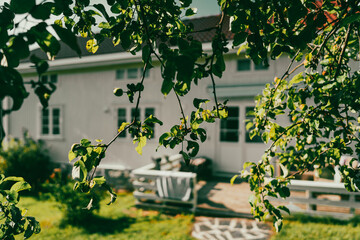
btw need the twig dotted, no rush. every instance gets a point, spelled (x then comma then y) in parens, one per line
(181, 108)
(343, 51)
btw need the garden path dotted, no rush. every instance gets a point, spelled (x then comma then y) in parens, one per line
(206, 228)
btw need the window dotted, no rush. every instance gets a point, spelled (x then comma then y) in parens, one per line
(120, 74)
(249, 117)
(261, 66)
(121, 117)
(244, 65)
(50, 122)
(248, 65)
(52, 78)
(229, 128)
(128, 115)
(131, 74)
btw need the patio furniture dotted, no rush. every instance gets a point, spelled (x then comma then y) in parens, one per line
(165, 188)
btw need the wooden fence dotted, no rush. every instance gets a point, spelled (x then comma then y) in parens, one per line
(328, 194)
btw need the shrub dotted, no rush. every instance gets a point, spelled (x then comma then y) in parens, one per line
(26, 158)
(73, 204)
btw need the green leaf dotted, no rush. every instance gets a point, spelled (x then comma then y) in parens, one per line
(111, 192)
(20, 186)
(92, 46)
(202, 134)
(284, 192)
(116, 8)
(102, 9)
(284, 170)
(99, 180)
(41, 65)
(125, 40)
(166, 86)
(21, 6)
(15, 179)
(296, 79)
(248, 164)
(163, 137)
(68, 37)
(283, 208)
(278, 225)
(85, 142)
(239, 38)
(47, 42)
(90, 204)
(21, 47)
(71, 155)
(350, 19)
(146, 52)
(192, 148)
(42, 11)
(190, 11)
(197, 102)
(141, 144)
(186, 157)
(272, 133)
(123, 126)
(151, 119)
(79, 171)
(232, 180)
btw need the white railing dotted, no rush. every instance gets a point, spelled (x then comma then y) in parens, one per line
(314, 190)
(160, 188)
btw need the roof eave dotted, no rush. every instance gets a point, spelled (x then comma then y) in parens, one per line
(97, 61)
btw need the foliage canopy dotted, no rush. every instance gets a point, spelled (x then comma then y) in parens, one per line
(322, 99)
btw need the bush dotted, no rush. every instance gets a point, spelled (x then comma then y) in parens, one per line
(26, 158)
(73, 204)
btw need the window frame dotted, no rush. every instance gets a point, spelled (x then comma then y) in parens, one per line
(233, 130)
(128, 116)
(50, 135)
(252, 67)
(126, 74)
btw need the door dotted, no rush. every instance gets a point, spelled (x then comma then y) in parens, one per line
(234, 146)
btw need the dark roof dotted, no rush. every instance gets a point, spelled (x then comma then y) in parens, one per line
(201, 25)
(204, 31)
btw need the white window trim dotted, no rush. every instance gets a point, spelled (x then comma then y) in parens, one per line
(126, 79)
(142, 118)
(50, 136)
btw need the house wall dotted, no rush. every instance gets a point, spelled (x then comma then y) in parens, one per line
(90, 110)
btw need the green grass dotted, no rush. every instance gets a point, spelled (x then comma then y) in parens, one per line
(305, 227)
(117, 221)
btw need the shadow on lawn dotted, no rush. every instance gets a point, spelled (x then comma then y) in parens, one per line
(103, 225)
(355, 221)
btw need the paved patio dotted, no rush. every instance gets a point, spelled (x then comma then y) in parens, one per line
(219, 197)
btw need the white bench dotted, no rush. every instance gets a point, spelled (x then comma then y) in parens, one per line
(147, 184)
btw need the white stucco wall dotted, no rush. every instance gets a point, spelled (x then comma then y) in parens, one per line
(90, 109)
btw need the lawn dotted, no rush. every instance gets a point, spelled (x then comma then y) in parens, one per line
(311, 228)
(118, 221)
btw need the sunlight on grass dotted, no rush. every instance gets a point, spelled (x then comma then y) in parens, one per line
(118, 221)
(311, 228)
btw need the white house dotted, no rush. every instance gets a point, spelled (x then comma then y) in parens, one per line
(83, 105)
